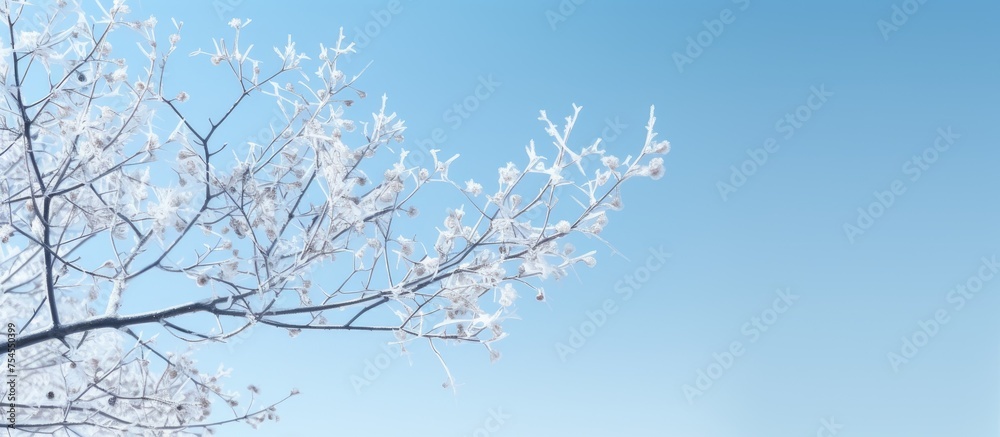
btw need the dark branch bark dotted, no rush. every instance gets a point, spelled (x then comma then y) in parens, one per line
(206, 306)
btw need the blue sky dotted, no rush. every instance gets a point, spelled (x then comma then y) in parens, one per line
(867, 103)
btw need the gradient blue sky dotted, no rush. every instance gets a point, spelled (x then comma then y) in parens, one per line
(825, 358)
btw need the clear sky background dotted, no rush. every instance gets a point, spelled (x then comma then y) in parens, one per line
(824, 361)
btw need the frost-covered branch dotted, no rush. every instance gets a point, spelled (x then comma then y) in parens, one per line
(113, 190)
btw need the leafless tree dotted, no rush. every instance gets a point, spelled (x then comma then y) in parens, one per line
(110, 188)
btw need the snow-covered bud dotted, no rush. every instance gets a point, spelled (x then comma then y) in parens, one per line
(611, 162)
(656, 168)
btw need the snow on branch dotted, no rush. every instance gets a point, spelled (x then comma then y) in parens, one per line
(112, 188)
